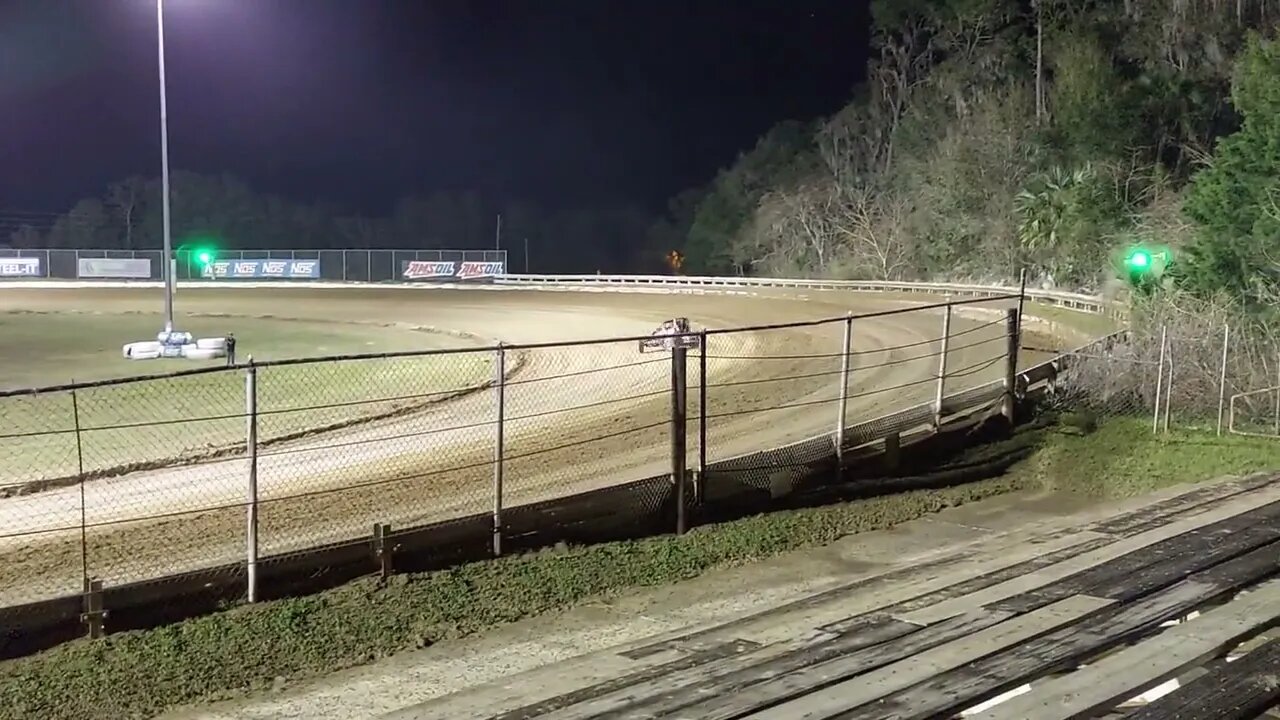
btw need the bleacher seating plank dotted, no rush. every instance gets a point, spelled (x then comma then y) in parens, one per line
(866, 688)
(1130, 672)
(1240, 690)
(953, 691)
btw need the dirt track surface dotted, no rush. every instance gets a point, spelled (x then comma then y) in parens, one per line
(570, 425)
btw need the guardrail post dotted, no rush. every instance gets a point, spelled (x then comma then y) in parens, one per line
(942, 365)
(679, 389)
(251, 450)
(1012, 332)
(699, 487)
(499, 441)
(1164, 344)
(842, 411)
(1222, 374)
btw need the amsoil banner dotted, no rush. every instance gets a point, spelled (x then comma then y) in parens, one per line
(20, 267)
(449, 271)
(135, 268)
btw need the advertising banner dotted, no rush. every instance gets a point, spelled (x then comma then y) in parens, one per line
(449, 271)
(19, 267)
(258, 269)
(135, 268)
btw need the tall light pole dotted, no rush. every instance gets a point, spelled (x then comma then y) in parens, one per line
(167, 261)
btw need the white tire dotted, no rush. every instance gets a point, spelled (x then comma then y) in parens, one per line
(143, 354)
(135, 348)
(191, 352)
(217, 343)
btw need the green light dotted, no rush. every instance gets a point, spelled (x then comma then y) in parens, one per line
(1139, 259)
(205, 257)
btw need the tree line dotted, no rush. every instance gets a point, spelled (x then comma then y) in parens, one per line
(227, 213)
(997, 135)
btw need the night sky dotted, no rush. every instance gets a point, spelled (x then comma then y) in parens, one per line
(360, 102)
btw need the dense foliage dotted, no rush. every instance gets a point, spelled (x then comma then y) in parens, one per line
(995, 135)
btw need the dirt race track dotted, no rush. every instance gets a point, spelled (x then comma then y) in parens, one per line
(571, 426)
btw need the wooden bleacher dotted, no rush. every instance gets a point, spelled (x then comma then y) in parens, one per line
(1162, 596)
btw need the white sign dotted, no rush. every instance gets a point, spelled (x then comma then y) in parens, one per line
(138, 268)
(19, 267)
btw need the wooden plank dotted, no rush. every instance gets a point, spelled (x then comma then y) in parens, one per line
(765, 690)
(1159, 513)
(1130, 672)
(726, 705)
(1143, 571)
(1242, 690)
(868, 687)
(660, 696)
(1007, 669)
(679, 665)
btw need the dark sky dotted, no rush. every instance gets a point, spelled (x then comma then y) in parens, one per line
(359, 102)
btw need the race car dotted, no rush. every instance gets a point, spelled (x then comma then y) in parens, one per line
(669, 335)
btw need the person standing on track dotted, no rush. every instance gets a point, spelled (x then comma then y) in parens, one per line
(231, 349)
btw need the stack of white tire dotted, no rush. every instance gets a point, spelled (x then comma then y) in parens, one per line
(201, 349)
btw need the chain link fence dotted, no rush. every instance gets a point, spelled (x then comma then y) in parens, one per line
(220, 475)
(1208, 371)
(348, 265)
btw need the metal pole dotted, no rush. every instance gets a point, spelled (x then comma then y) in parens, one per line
(499, 440)
(844, 389)
(164, 174)
(251, 448)
(526, 256)
(1013, 328)
(700, 489)
(679, 387)
(1277, 420)
(1155, 416)
(497, 234)
(1168, 388)
(84, 520)
(1222, 375)
(942, 365)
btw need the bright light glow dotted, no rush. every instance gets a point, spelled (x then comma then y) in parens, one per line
(1140, 259)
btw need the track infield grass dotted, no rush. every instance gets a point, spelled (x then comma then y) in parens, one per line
(155, 421)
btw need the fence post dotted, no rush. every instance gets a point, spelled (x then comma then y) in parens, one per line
(251, 448)
(1277, 418)
(84, 520)
(842, 411)
(1155, 415)
(942, 366)
(1013, 332)
(699, 488)
(1222, 375)
(679, 388)
(499, 440)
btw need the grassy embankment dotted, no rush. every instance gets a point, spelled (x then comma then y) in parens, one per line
(137, 674)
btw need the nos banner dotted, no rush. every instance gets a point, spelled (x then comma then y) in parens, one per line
(19, 267)
(136, 268)
(447, 271)
(245, 269)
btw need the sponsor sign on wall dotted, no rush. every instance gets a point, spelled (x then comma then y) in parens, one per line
(257, 269)
(19, 267)
(446, 271)
(138, 268)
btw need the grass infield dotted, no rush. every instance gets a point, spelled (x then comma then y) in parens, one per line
(192, 416)
(138, 674)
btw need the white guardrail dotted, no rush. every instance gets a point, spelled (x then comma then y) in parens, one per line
(1074, 301)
